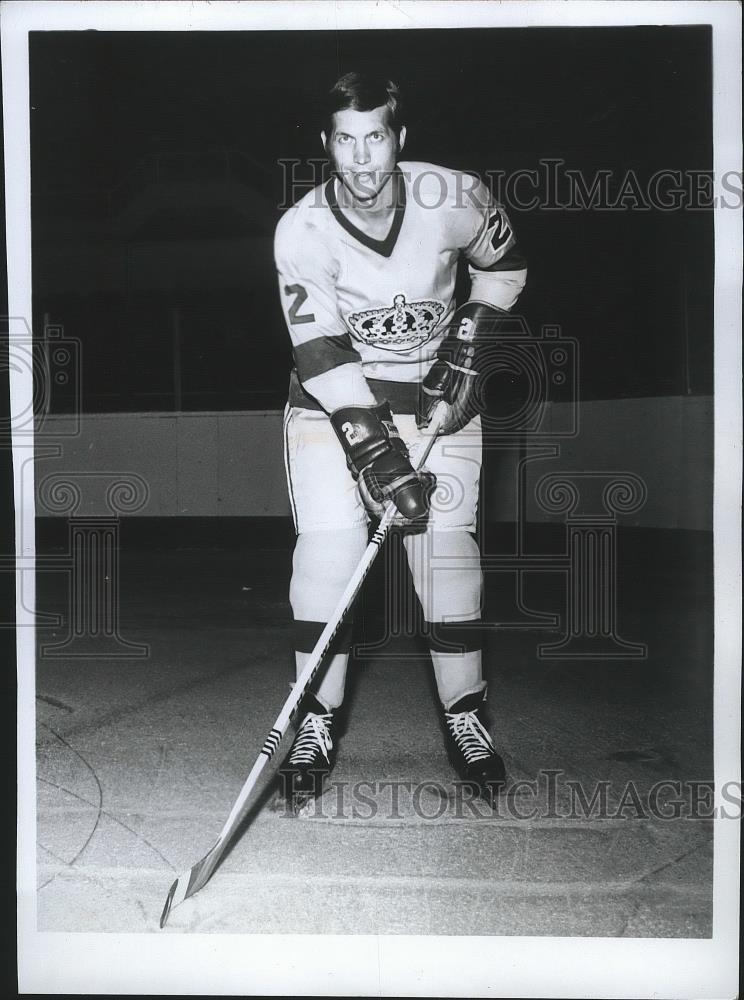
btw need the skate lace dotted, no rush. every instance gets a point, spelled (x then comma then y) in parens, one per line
(314, 735)
(471, 737)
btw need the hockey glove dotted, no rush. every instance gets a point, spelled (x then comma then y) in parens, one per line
(454, 374)
(378, 460)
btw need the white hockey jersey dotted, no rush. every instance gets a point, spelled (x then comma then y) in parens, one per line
(361, 310)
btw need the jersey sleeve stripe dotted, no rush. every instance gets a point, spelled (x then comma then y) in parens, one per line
(322, 354)
(511, 261)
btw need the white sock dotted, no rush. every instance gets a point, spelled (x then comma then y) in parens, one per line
(457, 675)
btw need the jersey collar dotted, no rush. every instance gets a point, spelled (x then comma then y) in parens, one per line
(383, 247)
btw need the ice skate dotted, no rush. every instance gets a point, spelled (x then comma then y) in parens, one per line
(471, 748)
(310, 760)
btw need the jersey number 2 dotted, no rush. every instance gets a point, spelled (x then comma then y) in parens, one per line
(295, 316)
(500, 230)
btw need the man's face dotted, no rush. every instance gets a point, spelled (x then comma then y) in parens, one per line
(362, 148)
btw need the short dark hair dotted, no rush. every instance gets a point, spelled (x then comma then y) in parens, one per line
(363, 92)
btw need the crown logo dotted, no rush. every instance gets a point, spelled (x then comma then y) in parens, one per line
(400, 327)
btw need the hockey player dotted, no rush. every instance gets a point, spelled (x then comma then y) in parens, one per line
(367, 266)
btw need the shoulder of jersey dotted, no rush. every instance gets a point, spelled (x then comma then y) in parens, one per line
(431, 182)
(306, 220)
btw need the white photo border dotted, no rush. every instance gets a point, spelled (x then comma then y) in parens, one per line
(162, 963)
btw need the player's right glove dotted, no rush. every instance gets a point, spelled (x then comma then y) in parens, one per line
(378, 460)
(453, 376)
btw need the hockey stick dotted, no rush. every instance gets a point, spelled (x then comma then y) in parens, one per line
(191, 881)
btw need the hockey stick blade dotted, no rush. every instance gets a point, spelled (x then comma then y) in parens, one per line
(191, 881)
(168, 903)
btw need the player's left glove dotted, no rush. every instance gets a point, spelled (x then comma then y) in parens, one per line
(454, 374)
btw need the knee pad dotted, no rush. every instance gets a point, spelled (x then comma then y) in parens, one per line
(445, 566)
(322, 565)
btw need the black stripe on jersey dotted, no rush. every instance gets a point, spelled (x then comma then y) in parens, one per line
(402, 396)
(287, 466)
(322, 354)
(511, 261)
(383, 247)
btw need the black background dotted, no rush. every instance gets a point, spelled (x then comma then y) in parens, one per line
(634, 287)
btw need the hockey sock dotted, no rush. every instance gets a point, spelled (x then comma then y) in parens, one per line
(323, 564)
(456, 656)
(445, 566)
(330, 690)
(457, 675)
